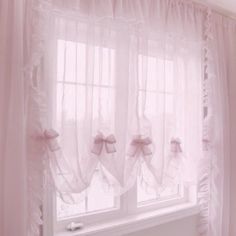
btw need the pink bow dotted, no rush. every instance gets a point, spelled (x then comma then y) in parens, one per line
(49, 137)
(140, 145)
(99, 142)
(175, 145)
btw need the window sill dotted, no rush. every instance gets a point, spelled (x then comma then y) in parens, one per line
(137, 222)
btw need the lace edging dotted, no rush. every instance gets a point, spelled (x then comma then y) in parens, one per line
(206, 186)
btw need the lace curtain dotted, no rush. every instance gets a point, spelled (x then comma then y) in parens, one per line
(152, 79)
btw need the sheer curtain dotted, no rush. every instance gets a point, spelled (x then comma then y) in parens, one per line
(127, 90)
(115, 86)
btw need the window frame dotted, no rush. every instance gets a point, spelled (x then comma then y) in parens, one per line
(129, 208)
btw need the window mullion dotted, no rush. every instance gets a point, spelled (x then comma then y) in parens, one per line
(131, 199)
(121, 116)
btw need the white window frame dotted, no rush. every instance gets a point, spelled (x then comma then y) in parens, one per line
(169, 210)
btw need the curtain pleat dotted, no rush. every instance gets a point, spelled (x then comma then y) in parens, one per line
(13, 163)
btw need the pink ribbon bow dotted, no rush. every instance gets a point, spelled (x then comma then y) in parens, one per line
(140, 145)
(49, 136)
(99, 142)
(175, 145)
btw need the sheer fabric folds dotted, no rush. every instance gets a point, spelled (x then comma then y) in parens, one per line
(126, 89)
(122, 88)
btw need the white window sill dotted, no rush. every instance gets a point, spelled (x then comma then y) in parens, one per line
(137, 222)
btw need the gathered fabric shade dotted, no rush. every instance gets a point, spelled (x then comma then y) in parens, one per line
(123, 92)
(126, 91)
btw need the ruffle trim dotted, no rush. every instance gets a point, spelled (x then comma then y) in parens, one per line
(36, 160)
(207, 169)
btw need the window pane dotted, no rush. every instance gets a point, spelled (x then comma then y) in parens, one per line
(66, 61)
(70, 102)
(165, 75)
(72, 63)
(158, 97)
(104, 66)
(100, 195)
(65, 210)
(144, 192)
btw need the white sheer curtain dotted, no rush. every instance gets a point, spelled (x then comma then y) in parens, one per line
(129, 109)
(123, 82)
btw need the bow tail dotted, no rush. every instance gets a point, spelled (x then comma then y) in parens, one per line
(53, 145)
(97, 148)
(110, 147)
(153, 170)
(109, 167)
(146, 150)
(133, 151)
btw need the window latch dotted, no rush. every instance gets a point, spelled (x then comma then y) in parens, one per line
(73, 226)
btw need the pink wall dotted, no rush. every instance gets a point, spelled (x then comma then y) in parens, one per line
(232, 88)
(232, 97)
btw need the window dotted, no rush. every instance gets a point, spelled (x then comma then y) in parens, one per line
(155, 88)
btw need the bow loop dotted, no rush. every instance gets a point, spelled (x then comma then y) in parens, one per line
(50, 134)
(99, 138)
(50, 138)
(100, 141)
(110, 139)
(140, 145)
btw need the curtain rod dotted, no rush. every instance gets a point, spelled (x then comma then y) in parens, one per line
(217, 8)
